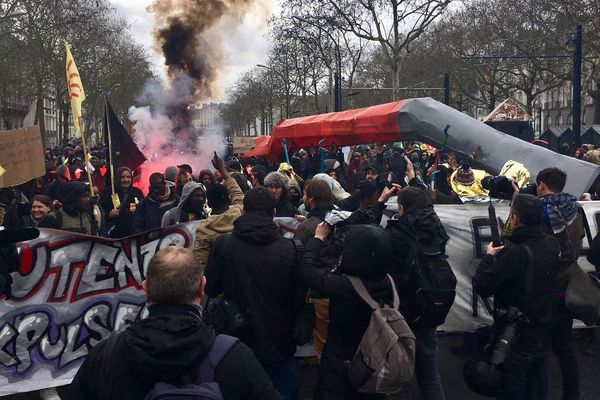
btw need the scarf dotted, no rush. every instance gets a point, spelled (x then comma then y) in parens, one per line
(560, 209)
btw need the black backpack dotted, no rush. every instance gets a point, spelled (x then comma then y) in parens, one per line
(428, 287)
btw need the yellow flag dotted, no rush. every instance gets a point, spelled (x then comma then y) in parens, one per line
(75, 87)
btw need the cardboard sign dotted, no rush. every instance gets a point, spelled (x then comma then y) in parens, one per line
(243, 144)
(21, 155)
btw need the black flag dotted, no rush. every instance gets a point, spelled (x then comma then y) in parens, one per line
(125, 152)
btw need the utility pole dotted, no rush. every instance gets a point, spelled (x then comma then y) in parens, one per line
(576, 84)
(338, 88)
(447, 89)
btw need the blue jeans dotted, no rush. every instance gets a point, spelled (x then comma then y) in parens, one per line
(525, 375)
(285, 378)
(426, 368)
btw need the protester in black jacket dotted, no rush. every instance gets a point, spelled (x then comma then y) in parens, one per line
(417, 221)
(366, 255)
(119, 220)
(257, 269)
(505, 274)
(150, 211)
(169, 345)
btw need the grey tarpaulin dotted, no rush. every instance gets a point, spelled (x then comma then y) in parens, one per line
(424, 120)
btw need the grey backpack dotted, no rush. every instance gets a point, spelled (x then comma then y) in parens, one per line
(385, 359)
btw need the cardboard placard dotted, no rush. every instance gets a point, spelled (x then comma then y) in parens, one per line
(243, 144)
(21, 155)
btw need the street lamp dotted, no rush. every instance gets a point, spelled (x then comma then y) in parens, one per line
(285, 80)
(338, 73)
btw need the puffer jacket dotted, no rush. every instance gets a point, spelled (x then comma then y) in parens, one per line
(177, 215)
(210, 229)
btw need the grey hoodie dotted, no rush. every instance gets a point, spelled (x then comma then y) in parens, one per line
(173, 216)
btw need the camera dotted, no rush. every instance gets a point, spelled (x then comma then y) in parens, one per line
(512, 317)
(500, 187)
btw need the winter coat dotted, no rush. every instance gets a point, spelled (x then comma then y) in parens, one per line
(149, 212)
(285, 209)
(121, 226)
(349, 317)
(306, 229)
(168, 346)
(259, 272)
(208, 231)
(504, 277)
(423, 226)
(69, 218)
(177, 215)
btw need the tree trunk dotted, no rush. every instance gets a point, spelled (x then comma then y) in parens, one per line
(396, 81)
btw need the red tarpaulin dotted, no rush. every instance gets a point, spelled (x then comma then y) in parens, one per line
(364, 125)
(261, 147)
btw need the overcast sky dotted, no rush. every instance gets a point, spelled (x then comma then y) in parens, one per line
(246, 46)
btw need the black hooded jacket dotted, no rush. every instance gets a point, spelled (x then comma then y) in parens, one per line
(366, 255)
(258, 272)
(425, 227)
(504, 277)
(168, 346)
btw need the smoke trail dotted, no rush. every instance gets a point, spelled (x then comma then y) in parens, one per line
(189, 34)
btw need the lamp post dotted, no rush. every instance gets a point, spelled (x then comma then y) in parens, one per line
(285, 79)
(337, 79)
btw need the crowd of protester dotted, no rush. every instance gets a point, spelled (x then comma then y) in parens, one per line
(286, 292)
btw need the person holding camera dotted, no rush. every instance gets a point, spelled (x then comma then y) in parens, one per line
(520, 275)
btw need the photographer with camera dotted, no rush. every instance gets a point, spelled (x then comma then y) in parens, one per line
(520, 275)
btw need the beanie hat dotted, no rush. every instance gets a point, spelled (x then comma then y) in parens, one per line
(338, 192)
(171, 173)
(465, 175)
(277, 179)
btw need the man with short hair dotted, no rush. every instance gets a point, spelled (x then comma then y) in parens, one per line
(150, 211)
(169, 345)
(520, 276)
(257, 269)
(226, 202)
(563, 220)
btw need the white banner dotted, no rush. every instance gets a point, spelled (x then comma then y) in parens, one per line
(71, 292)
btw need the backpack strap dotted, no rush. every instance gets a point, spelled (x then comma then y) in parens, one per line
(362, 291)
(219, 349)
(530, 269)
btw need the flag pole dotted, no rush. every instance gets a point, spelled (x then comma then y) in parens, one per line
(114, 197)
(86, 157)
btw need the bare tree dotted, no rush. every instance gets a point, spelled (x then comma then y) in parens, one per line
(393, 24)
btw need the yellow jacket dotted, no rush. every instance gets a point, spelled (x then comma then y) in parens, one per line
(215, 225)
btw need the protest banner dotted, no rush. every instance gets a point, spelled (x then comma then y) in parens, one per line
(243, 144)
(21, 155)
(73, 290)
